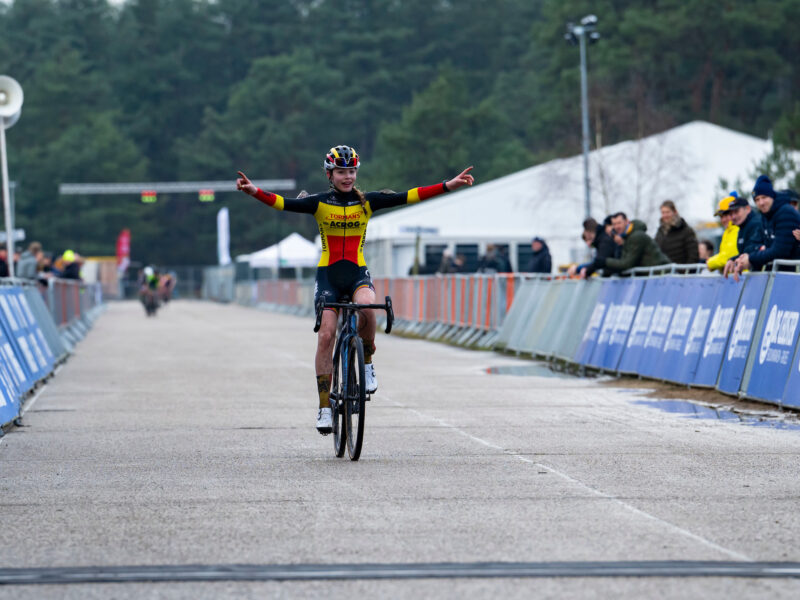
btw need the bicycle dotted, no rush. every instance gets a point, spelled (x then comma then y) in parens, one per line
(348, 389)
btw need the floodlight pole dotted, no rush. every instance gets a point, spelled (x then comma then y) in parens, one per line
(585, 119)
(577, 34)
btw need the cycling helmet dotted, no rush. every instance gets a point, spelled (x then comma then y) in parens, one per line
(149, 272)
(342, 157)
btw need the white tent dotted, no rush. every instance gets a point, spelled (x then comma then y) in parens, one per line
(684, 164)
(292, 251)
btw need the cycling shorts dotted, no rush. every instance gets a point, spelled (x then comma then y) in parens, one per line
(340, 281)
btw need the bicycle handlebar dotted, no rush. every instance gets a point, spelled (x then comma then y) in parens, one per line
(322, 305)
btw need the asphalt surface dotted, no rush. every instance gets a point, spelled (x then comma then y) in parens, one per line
(188, 440)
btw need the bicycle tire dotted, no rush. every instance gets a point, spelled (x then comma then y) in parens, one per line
(337, 407)
(355, 400)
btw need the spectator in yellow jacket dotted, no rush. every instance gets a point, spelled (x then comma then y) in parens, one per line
(728, 247)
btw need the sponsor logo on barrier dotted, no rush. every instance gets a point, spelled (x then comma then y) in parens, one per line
(625, 315)
(640, 325)
(12, 320)
(594, 322)
(742, 332)
(781, 325)
(608, 324)
(678, 327)
(659, 326)
(720, 325)
(12, 360)
(696, 332)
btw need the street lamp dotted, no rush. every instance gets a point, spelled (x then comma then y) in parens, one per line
(576, 35)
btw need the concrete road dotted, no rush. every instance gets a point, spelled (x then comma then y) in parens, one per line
(189, 439)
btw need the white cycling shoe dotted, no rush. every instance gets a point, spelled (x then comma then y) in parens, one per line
(370, 381)
(324, 421)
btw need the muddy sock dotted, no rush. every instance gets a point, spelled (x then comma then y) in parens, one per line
(369, 350)
(324, 389)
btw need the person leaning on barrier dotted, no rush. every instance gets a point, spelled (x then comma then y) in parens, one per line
(638, 248)
(780, 220)
(727, 247)
(29, 261)
(598, 238)
(676, 239)
(751, 231)
(72, 265)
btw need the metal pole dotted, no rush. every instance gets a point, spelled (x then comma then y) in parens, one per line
(585, 119)
(6, 200)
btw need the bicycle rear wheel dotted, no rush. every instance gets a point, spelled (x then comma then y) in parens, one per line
(337, 405)
(355, 399)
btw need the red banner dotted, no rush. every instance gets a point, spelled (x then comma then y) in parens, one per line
(123, 249)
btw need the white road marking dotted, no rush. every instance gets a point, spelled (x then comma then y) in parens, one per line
(596, 492)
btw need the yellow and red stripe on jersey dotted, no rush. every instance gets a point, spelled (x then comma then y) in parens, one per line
(423, 193)
(270, 199)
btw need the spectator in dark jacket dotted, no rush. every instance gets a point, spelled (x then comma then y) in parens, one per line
(675, 238)
(638, 248)
(598, 238)
(3, 263)
(540, 260)
(750, 224)
(72, 265)
(780, 220)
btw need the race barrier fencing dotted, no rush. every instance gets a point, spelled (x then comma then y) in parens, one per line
(38, 328)
(671, 323)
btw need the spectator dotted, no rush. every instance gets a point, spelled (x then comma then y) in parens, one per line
(505, 262)
(3, 262)
(638, 248)
(540, 262)
(780, 221)
(72, 266)
(705, 250)
(29, 261)
(727, 247)
(490, 262)
(597, 237)
(674, 236)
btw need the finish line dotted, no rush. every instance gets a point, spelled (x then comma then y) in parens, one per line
(194, 573)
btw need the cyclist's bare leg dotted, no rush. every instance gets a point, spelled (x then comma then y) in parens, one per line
(323, 362)
(366, 321)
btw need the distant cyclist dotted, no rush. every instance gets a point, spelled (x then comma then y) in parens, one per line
(342, 214)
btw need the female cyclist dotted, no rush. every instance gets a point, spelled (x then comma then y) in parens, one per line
(342, 214)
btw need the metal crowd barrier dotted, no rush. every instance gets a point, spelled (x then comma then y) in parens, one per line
(675, 323)
(672, 323)
(38, 328)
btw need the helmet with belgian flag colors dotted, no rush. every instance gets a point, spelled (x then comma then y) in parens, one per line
(341, 157)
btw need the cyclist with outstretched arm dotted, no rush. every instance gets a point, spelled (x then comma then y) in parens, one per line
(342, 214)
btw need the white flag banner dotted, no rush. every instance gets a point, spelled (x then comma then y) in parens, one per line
(223, 237)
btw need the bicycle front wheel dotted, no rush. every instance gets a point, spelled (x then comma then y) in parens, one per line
(355, 398)
(338, 392)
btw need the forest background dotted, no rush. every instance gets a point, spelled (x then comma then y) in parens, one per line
(165, 90)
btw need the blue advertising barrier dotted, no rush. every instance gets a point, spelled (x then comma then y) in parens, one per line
(725, 301)
(21, 361)
(634, 347)
(586, 347)
(773, 354)
(35, 333)
(791, 394)
(738, 346)
(23, 335)
(617, 324)
(9, 388)
(664, 291)
(684, 344)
